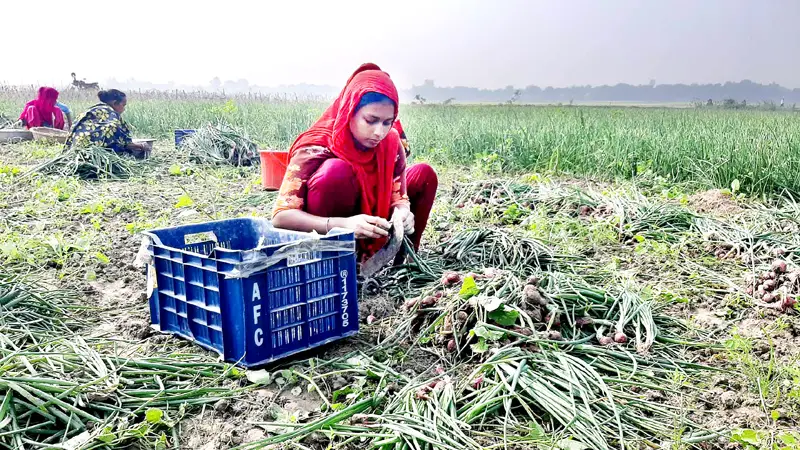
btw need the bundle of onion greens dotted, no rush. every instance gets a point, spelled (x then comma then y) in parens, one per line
(221, 143)
(88, 163)
(68, 393)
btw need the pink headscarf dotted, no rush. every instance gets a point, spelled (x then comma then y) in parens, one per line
(44, 110)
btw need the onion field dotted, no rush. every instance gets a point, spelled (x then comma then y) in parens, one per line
(591, 278)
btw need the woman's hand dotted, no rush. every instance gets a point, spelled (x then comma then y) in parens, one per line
(367, 227)
(407, 218)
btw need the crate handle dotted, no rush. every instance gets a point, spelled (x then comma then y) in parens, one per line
(149, 238)
(246, 268)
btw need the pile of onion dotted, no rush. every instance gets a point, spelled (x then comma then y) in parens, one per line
(778, 286)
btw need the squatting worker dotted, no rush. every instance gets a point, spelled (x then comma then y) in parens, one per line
(349, 169)
(43, 110)
(102, 126)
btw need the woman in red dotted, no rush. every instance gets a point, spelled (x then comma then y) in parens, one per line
(349, 169)
(42, 111)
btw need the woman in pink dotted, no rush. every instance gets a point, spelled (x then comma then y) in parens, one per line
(42, 111)
(349, 169)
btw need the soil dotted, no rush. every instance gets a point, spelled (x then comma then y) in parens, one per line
(123, 317)
(715, 202)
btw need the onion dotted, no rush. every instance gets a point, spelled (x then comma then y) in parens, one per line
(531, 294)
(554, 335)
(410, 303)
(438, 294)
(524, 331)
(584, 210)
(428, 301)
(460, 205)
(462, 316)
(532, 280)
(476, 383)
(556, 320)
(422, 393)
(768, 298)
(749, 290)
(769, 285)
(788, 303)
(779, 266)
(450, 278)
(605, 340)
(620, 337)
(491, 272)
(583, 321)
(370, 319)
(451, 345)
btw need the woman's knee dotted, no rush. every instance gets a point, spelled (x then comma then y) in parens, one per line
(333, 190)
(422, 175)
(333, 174)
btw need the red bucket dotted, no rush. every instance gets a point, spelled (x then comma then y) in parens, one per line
(273, 168)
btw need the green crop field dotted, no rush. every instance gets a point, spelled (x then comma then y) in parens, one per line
(591, 278)
(711, 148)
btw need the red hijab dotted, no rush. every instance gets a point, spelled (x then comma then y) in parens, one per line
(47, 111)
(374, 168)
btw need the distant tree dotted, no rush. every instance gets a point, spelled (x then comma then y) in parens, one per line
(215, 83)
(420, 99)
(449, 101)
(710, 102)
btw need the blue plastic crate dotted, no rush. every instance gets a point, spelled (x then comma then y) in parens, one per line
(306, 299)
(181, 134)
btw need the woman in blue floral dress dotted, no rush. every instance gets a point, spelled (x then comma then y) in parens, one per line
(102, 126)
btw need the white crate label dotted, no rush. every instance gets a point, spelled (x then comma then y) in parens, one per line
(302, 258)
(196, 238)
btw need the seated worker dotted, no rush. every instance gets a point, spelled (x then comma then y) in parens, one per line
(102, 126)
(67, 115)
(42, 111)
(349, 169)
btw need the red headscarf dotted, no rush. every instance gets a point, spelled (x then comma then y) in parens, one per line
(46, 110)
(374, 167)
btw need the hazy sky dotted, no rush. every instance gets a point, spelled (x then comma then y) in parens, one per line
(454, 42)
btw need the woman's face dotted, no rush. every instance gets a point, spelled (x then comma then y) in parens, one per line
(372, 123)
(119, 107)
